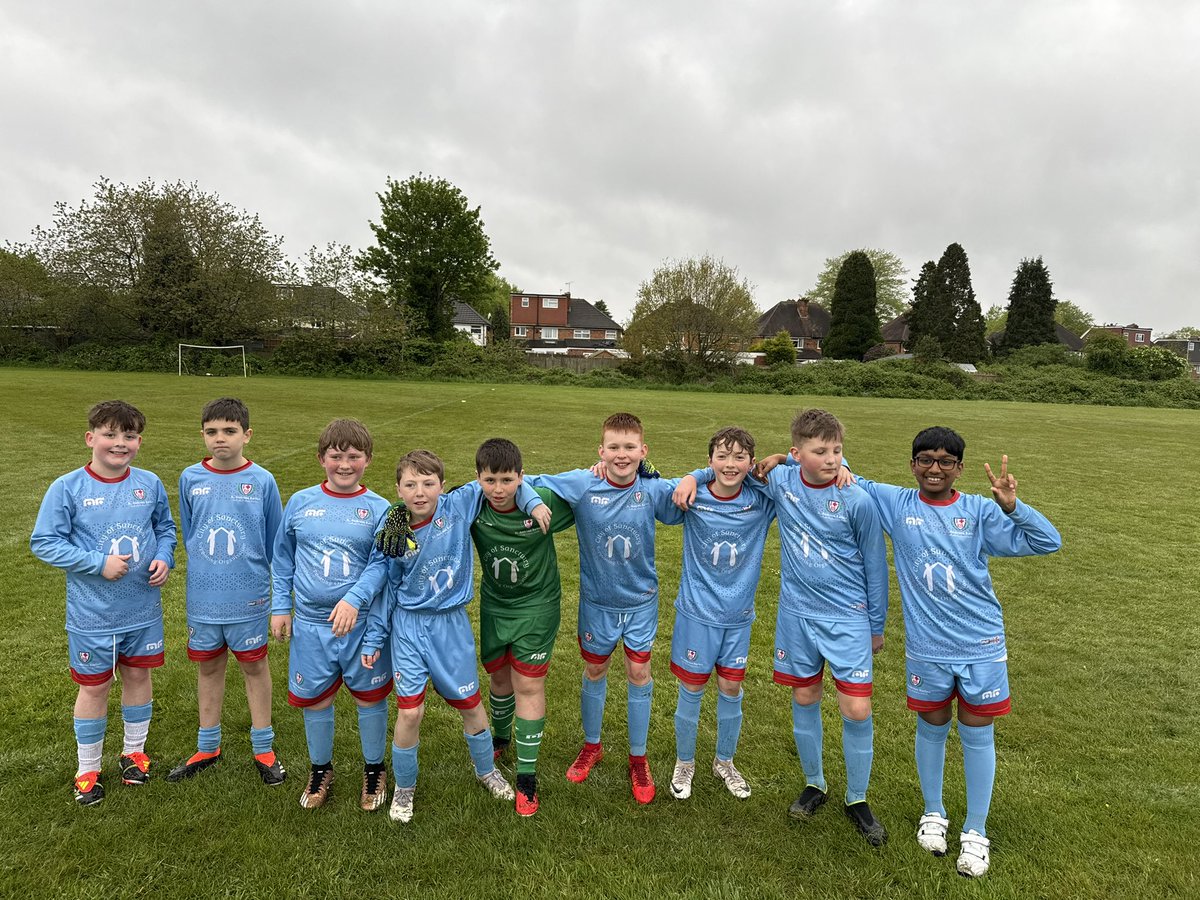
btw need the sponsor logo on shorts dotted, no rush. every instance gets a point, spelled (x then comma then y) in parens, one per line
(140, 493)
(914, 680)
(542, 655)
(995, 639)
(780, 653)
(860, 673)
(990, 695)
(691, 655)
(379, 679)
(247, 489)
(740, 661)
(834, 505)
(201, 491)
(84, 656)
(251, 641)
(157, 645)
(465, 690)
(362, 513)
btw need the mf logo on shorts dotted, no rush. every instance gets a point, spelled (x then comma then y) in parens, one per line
(860, 673)
(157, 645)
(466, 689)
(990, 695)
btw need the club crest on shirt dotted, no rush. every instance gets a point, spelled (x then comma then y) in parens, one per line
(915, 680)
(834, 505)
(637, 496)
(529, 523)
(691, 655)
(362, 513)
(247, 489)
(960, 523)
(440, 522)
(140, 493)
(84, 656)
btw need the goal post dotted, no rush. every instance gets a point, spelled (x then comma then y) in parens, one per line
(206, 359)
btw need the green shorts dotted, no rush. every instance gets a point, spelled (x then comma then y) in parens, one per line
(523, 642)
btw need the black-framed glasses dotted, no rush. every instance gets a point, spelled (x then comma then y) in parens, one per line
(945, 463)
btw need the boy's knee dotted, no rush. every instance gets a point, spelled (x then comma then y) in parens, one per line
(727, 687)
(410, 715)
(808, 695)
(253, 668)
(595, 671)
(856, 708)
(637, 672)
(209, 668)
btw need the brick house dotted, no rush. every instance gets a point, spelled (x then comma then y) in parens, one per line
(560, 323)
(1188, 348)
(807, 323)
(1134, 335)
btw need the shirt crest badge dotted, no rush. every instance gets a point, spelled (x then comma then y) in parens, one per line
(529, 523)
(960, 524)
(362, 513)
(440, 522)
(140, 493)
(247, 489)
(835, 505)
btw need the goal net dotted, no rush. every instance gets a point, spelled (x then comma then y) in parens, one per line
(202, 359)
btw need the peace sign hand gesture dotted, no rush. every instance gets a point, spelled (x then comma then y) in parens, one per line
(1004, 485)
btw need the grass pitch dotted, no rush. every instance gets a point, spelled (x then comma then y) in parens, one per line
(1098, 774)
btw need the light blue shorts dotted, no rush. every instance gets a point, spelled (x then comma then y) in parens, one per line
(803, 646)
(319, 663)
(437, 647)
(981, 688)
(698, 648)
(247, 640)
(600, 629)
(94, 657)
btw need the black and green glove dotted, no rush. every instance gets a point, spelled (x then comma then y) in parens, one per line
(646, 469)
(396, 537)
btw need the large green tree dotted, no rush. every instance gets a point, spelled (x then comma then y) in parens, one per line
(1030, 307)
(967, 342)
(931, 314)
(891, 282)
(1187, 331)
(167, 260)
(700, 308)
(430, 251)
(854, 324)
(1073, 317)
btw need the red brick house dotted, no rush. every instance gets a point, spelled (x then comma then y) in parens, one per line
(805, 321)
(1134, 335)
(560, 323)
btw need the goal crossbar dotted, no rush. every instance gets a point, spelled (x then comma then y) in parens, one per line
(239, 347)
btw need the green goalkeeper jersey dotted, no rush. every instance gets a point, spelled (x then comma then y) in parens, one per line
(520, 567)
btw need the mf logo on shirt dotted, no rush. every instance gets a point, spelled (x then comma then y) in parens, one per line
(201, 491)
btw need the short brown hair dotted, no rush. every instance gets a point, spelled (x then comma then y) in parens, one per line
(816, 423)
(117, 413)
(229, 409)
(622, 421)
(730, 435)
(423, 462)
(497, 455)
(342, 434)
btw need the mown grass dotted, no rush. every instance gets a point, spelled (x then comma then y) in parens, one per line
(1097, 781)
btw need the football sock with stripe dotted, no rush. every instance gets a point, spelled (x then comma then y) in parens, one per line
(89, 743)
(503, 707)
(858, 739)
(136, 720)
(979, 771)
(372, 731)
(262, 740)
(808, 733)
(318, 730)
(404, 765)
(687, 721)
(931, 763)
(528, 735)
(591, 704)
(481, 749)
(729, 724)
(638, 710)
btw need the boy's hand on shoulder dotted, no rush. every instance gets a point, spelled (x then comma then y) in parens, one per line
(1004, 485)
(542, 515)
(764, 466)
(116, 565)
(600, 469)
(159, 573)
(344, 617)
(281, 627)
(844, 477)
(876, 643)
(368, 659)
(685, 493)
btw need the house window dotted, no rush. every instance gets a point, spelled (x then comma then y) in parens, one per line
(582, 334)
(610, 335)
(549, 303)
(525, 303)
(549, 334)
(1139, 338)
(798, 343)
(520, 331)
(1191, 346)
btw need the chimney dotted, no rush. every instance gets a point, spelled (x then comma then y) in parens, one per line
(802, 307)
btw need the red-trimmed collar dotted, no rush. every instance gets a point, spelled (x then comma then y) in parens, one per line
(716, 496)
(87, 467)
(204, 462)
(621, 486)
(362, 489)
(954, 495)
(415, 525)
(504, 512)
(830, 483)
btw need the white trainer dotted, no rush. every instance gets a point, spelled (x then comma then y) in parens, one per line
(725, 770)
(931, 833)
(973, 857)
(497, 785)
(401, 809)
(681, 779)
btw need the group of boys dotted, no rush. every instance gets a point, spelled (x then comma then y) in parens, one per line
(374, 596)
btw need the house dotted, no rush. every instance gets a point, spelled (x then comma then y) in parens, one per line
(1134, 335)
(472, 324)
(1188, 348)
(1065, 336)
(560, 323)
(896, 335)
(806, 322)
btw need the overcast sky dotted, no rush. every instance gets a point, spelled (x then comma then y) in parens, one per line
(601, 138)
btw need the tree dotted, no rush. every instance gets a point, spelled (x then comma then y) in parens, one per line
(778, 350)
(854, 325)
(1106, 353)
(603, 307)
(501, 324)
(100, 251)
(967, 342)
(931, 314)
(1072, 317)
(1030, 307)
(699, 308)
(995, 317)
(1187, 331)
(430, 251)
(891, 282)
